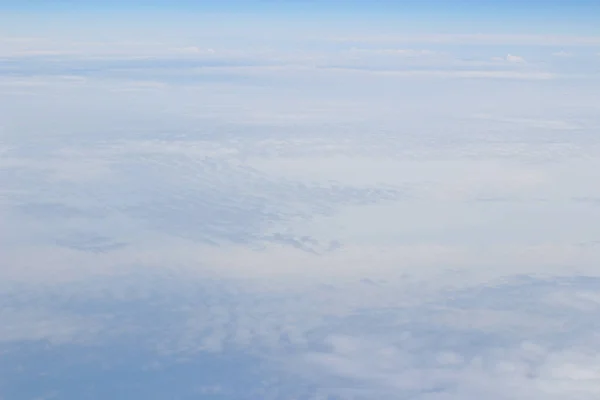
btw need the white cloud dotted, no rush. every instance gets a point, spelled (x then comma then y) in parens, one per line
(216, 58)
(523, 372)
(340, 211)
(451, 73)
(510, 58)
(562, 53)
(478, 39)
(195, 50)
(393, 52)
(515, 59)
(21, 324)
(533, 123)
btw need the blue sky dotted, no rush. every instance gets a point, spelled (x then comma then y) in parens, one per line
(317, 200)
(451, 15)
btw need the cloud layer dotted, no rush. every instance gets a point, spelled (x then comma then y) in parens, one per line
(293, 216)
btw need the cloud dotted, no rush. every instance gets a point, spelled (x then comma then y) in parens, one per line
(562, 53)
(515, 59)
(465, 359)
(450, 73)
(511, 59)
(392, 52)
(23, 324)
(350, 338)
(528, 371)
(168, 63)
(195, 50)
(288, 217)
(478, 39)
(533, 123)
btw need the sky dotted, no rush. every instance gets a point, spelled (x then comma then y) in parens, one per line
(309, 200)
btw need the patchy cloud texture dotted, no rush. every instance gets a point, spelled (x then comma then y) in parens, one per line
(241, 207)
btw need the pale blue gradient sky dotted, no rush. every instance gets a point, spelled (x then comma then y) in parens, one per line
(457, 16)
